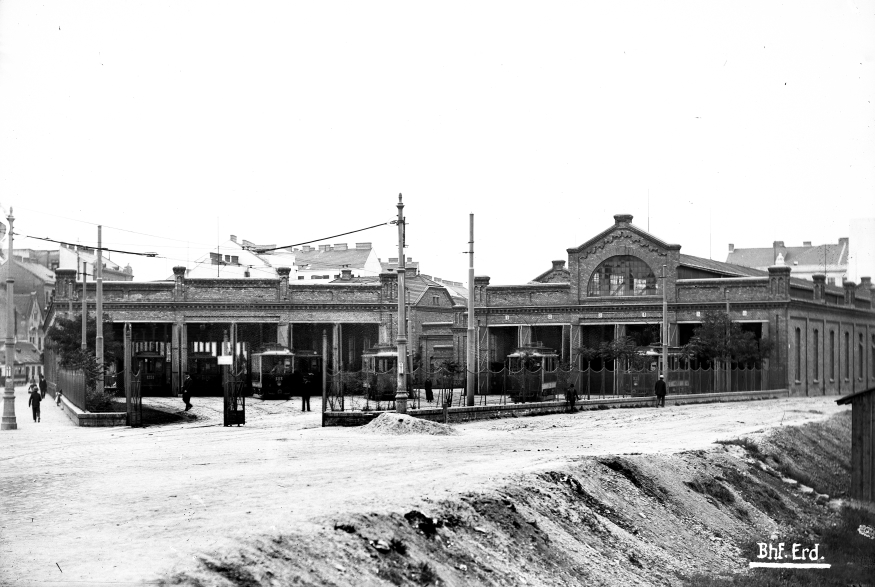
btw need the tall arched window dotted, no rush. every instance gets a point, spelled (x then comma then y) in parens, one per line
(847, 355)
(832, 355)
(798, 355)
(623, 275)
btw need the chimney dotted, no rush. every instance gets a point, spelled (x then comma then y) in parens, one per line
(324, 248)
(179, 278)
(776, 245)
(622, 219)
(345, 274)
(731, 248)
(282, 292)
(850, 291)
(366, 246)
(307, 248)
(558, 265)
(806, 243)
(393, 260)
(340, 247)
(866, 281)
(409, 259)
(233, 238)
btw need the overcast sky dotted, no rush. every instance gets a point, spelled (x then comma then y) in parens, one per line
(746, 122)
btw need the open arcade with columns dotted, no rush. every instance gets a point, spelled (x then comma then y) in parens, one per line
(185, 325)
(610, 286)
(823, 336)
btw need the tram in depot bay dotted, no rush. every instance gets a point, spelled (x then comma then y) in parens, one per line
(278, 372)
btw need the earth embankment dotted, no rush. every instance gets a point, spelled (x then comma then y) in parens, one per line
(629, 519)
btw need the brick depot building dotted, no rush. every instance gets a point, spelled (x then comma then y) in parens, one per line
(610, 286)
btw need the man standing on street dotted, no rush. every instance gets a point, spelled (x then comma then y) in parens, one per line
(186, 391)
(660, 391)
(34, 401)
(43, 386)
(306, 390)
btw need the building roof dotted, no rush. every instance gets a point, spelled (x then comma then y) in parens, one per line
(728, 269)
(25, 354)
(832, 255)
(333, 260)
(850, 397)
(256, 265)
(44, 274)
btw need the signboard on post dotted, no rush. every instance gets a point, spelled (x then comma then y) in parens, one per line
(225, 359)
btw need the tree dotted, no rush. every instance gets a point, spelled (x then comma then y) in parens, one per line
(718, 338)
(65, 337)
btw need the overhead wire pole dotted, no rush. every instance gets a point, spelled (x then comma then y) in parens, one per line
(84, 344)
(98, 345)
(401, 340)
(665, 333)
(8, 421)
(471, 337)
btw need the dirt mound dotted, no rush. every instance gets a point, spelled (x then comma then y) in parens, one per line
(403, 424)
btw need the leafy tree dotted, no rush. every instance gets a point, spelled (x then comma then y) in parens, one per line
(65, 337)
(718, 338)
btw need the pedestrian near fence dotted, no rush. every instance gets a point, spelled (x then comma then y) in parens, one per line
(571, 396)
(43, 386)
(660, 391)
(34, 401)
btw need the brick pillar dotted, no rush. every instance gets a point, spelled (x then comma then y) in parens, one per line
(819, 287)
(177, 351)
(779, 282)
(179, 290)
(481, 282)
(283, 291)
(850, 292)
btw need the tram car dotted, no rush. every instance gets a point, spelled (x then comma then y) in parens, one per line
(379, 365)
(272, 373)
(533, 373)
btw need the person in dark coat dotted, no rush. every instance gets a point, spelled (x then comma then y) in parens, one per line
(310, 383)
(34, 401)
(660, 391)
(187, 386)
(570, 396)
(43, 386)
(429, 396)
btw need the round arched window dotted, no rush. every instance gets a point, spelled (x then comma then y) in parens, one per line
(623, 275)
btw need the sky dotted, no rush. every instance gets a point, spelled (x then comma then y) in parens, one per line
(176, 124)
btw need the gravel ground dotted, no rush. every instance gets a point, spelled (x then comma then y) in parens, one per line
(120, 506)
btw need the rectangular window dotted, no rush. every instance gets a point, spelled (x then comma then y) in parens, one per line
(300, 277)
(816, 355)
(860, 356)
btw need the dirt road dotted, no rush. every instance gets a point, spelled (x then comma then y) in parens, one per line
(123, 506)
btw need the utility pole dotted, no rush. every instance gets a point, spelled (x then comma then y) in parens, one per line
(84, 302)
(665, 336)
(98, 346)
(8, 422)
(401, 340)
(472, 362)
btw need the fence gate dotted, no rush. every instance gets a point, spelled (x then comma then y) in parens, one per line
(235, 400)
(135, 402)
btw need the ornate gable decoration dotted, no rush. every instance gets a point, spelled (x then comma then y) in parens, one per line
(622, 237)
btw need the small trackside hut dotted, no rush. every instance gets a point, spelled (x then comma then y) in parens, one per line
(862, 444)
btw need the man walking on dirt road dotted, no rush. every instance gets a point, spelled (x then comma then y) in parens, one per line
(34, 401)
(660, 392)
(186, 391)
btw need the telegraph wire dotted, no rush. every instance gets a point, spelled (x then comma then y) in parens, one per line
(51, 240)
(259, 250)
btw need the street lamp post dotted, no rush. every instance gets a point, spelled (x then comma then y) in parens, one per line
(8, 421)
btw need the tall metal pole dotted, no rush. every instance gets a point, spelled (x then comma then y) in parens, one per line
(98, 346)
(8, 421)
(324, 371)
(401, 340)
(84, 302)
(471, 361)
(665, 337)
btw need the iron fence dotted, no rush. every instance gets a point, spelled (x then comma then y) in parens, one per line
(360, 390)
(72, 385)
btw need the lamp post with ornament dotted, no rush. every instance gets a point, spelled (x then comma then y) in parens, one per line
(8, 421)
